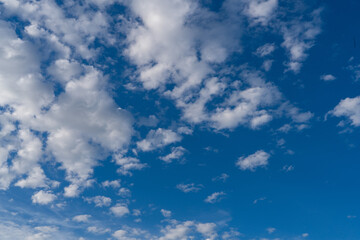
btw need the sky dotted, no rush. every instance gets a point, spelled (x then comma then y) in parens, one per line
(179, 119)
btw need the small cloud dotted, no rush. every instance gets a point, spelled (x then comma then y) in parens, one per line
(253, 161)
(81, 218)
(191, 187)
(351, 216)
(176, 153)
(259, 199)
(43, 197)
(99, 201)
(215, 197)
(222, 178)
(305, 235)
(119, 210)
(327, 77)
(113, 184)
(265, 50)
(288, 168)
(98, 230)
(270, 230)
(165, 213)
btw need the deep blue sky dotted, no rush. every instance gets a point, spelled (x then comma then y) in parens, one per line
(179, 119)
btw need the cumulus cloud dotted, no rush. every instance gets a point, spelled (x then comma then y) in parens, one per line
(120, 210)
(327, 77)
(82, 121)
(299, 37)
(98, 230)
(128, 164)
(165, 213)
(43, 197)
(265, 50)
(253, 161)
(128, 233)
(261, 11)
(113, 184)
(99, 201)
(81, 218)
(215, 197)
(176, 153)
(158, 138)
(190, 187)
(349, 108)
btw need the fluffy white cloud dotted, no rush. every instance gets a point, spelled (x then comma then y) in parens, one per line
(190, 187)
(128, 164)
(265, 50)
(165, 213)
(177, 232)
(83, 122)
(327, 77)
(120, 210)
(223, 177)
(99, 201)
(157, 139)
(128, 233)
(350, 108)
(299, 37)
(207, 230)
(176, 153)
(261, 11)
(81, 218)
(188, 230)
(215, 197)
(98, 230)
(251, 162)
(43, 197)
(113, 184)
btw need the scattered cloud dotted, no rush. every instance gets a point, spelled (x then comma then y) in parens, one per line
(81, 218)
(253, 161)
(43, 197)
(327, 77)
(215, 197)
(120, 210)
(190, 187)
(165, 213)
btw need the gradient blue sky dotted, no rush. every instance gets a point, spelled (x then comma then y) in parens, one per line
(179, 119)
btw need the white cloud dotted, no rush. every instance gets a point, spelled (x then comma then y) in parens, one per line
(270, 230)
(191, 187)
(128, 233)
(128, 164)
(176, 153)
(265, 50)
(177, 232)
(98, 230)
(157, 139)
(327, 77)
(83, 122)
(81, 218)
(120, 210)
(299, 37)
(253, 161)
(350, 108)
(99, 201)
(261, 11)
(113, 184)
(43, 197)
(165, 213)
(223, 177)
(207, 230)
(215, 197)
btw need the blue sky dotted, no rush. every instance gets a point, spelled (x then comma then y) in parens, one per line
(179, 119)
